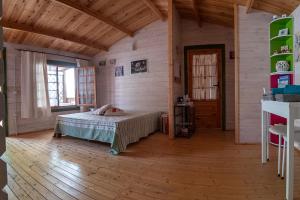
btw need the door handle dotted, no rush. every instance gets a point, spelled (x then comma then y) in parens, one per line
(216, 85)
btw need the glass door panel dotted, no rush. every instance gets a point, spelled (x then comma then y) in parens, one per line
(205, 77)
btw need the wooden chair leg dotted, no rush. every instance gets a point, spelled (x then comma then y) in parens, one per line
(268, 146)
(279, 154)
(283, 159)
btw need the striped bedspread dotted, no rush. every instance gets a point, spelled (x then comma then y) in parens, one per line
(119, 131)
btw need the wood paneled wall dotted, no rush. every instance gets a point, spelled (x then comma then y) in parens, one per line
(144, 91)
(253, 31)
(15, 123)
(192, 34)
(236, 75)
(177, 52)
(170, 70)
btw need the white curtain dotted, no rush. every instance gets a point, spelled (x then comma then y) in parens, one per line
(80, 63)
(26, 85)
(34, 85)
(205, 77)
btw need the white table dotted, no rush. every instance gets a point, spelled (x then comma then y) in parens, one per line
(290, 111)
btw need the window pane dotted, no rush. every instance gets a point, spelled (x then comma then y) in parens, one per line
(204, 77)
(53, 102)
(60, 78)
(70, 79)
(61, 85)
(51, 68)
(51, 77)
(52, 94)
(52, 86)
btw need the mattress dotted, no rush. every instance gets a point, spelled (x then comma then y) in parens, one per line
(119, 131)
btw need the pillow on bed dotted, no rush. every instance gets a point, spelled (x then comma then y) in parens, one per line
(102, 110)
(112, 111)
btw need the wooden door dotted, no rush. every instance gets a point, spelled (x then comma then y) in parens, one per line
(205, 86)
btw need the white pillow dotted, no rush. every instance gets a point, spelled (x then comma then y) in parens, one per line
(102, 110)
(112, 111)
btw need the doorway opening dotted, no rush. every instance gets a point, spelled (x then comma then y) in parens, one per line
(204, 75)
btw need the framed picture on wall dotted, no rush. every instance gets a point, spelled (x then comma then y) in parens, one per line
(139, 66)
(102, 63)
(119, 71)
(112, 61)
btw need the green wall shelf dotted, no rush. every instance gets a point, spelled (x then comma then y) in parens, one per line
(281, 38)
(282, 54)
(276, 42)
(281, 23)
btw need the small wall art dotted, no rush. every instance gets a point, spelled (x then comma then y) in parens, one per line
(119, 71)
(102, 63)
(112, 61)
(139, 66)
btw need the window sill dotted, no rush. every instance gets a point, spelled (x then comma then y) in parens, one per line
(64, 108)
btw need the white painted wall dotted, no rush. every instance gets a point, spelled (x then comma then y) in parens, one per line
(254, 70)
(150, 90)
(296, 15)
(15, 123)
(144, 91)
(192, 34)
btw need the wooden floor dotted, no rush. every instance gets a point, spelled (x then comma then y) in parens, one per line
(207, 166)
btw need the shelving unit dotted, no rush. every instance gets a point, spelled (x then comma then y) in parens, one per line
(184, 116)
(276, 42)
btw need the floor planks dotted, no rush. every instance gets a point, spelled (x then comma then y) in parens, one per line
(207, 166)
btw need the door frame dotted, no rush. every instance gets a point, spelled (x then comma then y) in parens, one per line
(5, 92)
(223, 64)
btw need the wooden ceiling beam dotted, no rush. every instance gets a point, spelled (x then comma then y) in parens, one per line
(154, 9)
(196, 12)
(52, 33)
(95, 14)
(249, 5)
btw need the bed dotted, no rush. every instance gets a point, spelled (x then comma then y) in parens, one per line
(119, 131)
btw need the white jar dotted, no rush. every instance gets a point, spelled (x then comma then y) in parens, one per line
(282, 66)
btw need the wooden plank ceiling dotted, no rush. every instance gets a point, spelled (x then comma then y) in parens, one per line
(79, 26)
(221, 11)
(90, 26)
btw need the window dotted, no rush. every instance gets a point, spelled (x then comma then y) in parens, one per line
(205, 77)
(61, 86)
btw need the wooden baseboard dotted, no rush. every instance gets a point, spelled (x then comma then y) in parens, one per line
(29, 132)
